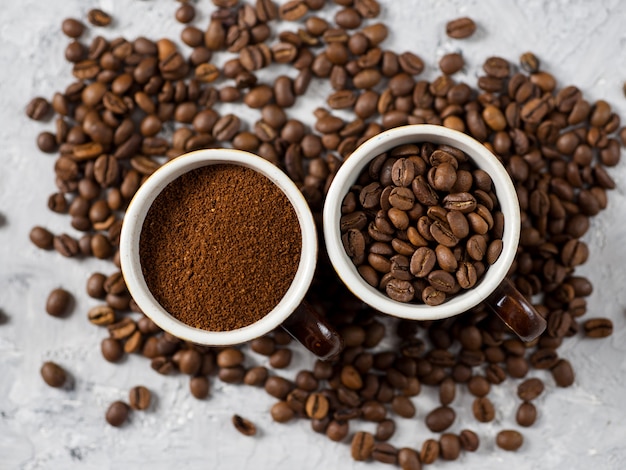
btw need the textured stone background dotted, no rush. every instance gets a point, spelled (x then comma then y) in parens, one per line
(580, 42)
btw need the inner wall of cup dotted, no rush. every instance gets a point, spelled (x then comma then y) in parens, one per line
(508, 205)
(299, 285)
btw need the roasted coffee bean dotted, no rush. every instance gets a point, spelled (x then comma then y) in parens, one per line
(317, 406)
(232, 375)
(460, 28)
(430, 451)
(230, 357)
(526, 414)
(483, 409)
(451, 63)
(189, 361)
(111, 349)
(122, 329)
(38, 109)
(256, 376)
(199, 387)
(117, 413)
(563, 373)
(469, 440)
(65, 245)
(509, 440)
(278, 387)
(373, 411)
(544, 358)
(46, 141)
(101, 315)
(53, 374)
(385, 429)
(280, 359)
(447, 391)
(440, 419)
(72, 27)
(98, 17)
(402, 406)
(264, 345)
(598, 327)
(450, 446)
(281, 412)
(95, 286)
(185, 13)
(139, 398)
(41, 238)
(337, 430)
(243, 425)
(59, 302)
(385, 453)
(362, 446)
(408, 459)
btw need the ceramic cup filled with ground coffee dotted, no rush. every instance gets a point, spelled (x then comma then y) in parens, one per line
(423, 222)
(219, 247)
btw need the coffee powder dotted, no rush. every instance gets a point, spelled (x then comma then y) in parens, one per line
(220, 246)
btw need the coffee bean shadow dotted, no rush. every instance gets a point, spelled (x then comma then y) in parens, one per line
(154, 403)
(4, 318)
(70, 382)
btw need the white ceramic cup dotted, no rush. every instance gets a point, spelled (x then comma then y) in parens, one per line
(305, 325)
(500, 294)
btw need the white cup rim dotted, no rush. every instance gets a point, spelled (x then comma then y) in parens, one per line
(347, 175)
(131, 232)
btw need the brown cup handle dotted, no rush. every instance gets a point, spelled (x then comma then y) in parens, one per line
(516, 312)
(306, 326)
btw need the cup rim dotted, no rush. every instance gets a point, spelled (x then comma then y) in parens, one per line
(347, 175)
(131, 232)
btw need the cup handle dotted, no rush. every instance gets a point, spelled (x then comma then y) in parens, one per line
(516, 312)
(310, 329)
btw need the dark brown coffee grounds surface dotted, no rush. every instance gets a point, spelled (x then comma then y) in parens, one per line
(220, 246)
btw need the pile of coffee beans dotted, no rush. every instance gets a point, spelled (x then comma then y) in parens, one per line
(136, 102)
(422, 223)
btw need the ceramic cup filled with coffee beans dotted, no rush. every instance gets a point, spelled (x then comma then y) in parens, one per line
(219, 247)
(423, 222)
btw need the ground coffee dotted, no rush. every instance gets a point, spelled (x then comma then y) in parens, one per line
(220, 246)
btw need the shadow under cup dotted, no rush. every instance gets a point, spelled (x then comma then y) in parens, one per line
(132, 229)
(492, 283)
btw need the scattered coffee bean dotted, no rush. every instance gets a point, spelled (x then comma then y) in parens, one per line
(98, 17)
(139, 398)
(598, 327)
(53, 374)
(112, 349)
(281, 412)
(483, 409)
(522, 118)
(509, 440)
(117, 413)
(59, 302)
(526, 414)
(244, 426)
(385, 453)
(430, 451)
(199, 387)
(72, 27)
(41, 238)
(440, 418)
(362, 445)
(469, 440)
(460, 28)
(338, 430)
(450, 446)
(530, 389)
(563, 373)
